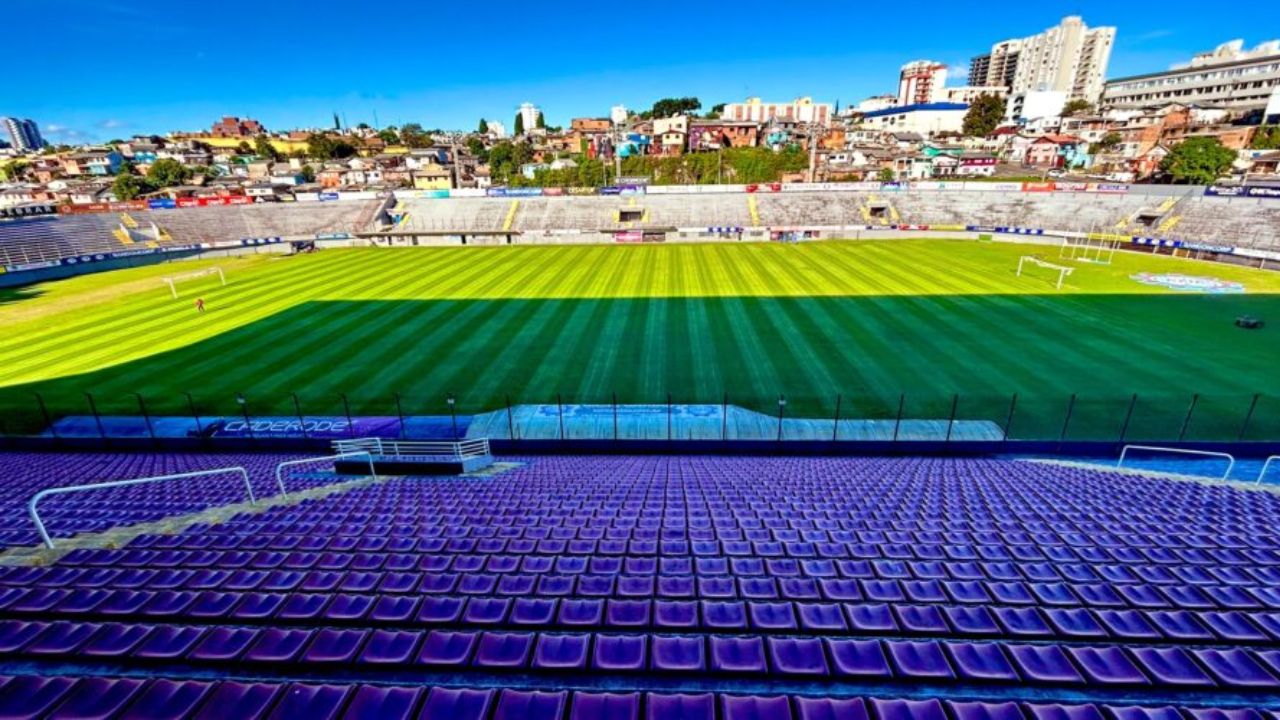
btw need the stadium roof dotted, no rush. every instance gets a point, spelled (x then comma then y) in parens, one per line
(919, 107)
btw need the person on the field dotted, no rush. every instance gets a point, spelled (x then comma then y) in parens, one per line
(200, 305)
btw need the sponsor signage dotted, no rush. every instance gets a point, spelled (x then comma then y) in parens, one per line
(893, 186)
(581, 191)
(1225, 191)
(1264, 192)
(329, 196)
(633, 180)
(1071, 187)
(326, 428)
(622, 190)
(1109, 188)
(162, 204)
(1038, 186)
(628, 236)
(764, 187)
(552, 192)
(1189, 283)
(330, 236)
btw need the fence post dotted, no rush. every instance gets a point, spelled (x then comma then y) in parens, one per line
(97, 419)
(1128, 417)
(782, 406)
(297, 408)
(400, 414)
(44, 413)
(146, 416)
(244, 408)
(1248, 417)
(724, 418)
(668, 417)
(191, 405)
(453, 413)
(346, 408)
(615, 417)
(511, 423)
(1008, 421)
(951, 421)
(1066, 421)
(835, 428)
(897, 424)
(560, 413)
(1186, 421)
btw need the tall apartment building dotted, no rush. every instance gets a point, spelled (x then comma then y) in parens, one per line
(23, 134)
(1228, 76)
(1070, 57)
(529, 114)
(921, 82)
(800, 110)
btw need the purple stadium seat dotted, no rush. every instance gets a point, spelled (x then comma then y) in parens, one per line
(981, 662)
(457, 704)
(97, 698)
(167, 699)
(793, 656)
(738, 655)
(605, 706)
(1064, 712)
(331, 645)
(1236, 668)
(503, 651)
(520, 705)
(1171, 666)
(1107, 666)
(621, 653)
(985, 711)
(390, 647)
(680, 707)
(383, 703)
(31, 696)
(751, 707)
(443, 648)
(858, 658)
(1044, 664)
(908, 710)
(277, 646)
(560, 652)
(919, 660)
(810, 708)
(677, 654)
(314, 702)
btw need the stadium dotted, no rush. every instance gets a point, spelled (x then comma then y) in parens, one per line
(866, 451)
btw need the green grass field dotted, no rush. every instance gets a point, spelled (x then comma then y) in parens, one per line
(867, 320)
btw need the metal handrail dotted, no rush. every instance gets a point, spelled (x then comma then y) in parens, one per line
(304, 461)
(44, 533)
(459, 450)
(1265, 466)
(1151, 448)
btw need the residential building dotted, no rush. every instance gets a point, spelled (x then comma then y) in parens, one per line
(1229, 76)
(496, 129)
(969, 93)
(93, 162)
(234, 127)
(618, 114)
(590, 125)
(23, 133)
(1051, 151)
(925, 119)
(803, 110)
(672, 134)
(529, 114)
(719, 134)
(879, 102)
(921, 82)
(1026, 108)
(1070, 57)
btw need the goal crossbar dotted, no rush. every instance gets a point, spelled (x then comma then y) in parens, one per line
(173, 280)
(1063, 271)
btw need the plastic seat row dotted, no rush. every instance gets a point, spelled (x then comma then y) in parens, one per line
(161, 699)
(864, 660)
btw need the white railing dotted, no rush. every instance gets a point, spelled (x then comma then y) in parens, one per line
(307, 461)
(44, 533)
(1231, 460)
(461, 450)
(1266, 465)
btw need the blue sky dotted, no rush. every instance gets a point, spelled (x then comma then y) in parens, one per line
(107, 68)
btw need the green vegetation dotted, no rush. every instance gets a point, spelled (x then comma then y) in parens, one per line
(670, 107)
(984, 116)
(869, 320)
(324, 147)
(1075, 107)
(1198, 161)
(1107, 143)
(1267, 137)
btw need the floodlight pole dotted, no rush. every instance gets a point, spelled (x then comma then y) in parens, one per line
(835, 428)
(400, 414)
(453, 413)
(93, 407)
(44, 413)
(1186, 421)
(511, 423)
(146, 416)
(1128, 417)
(782, 406)
(191, 404)
(1248, 418)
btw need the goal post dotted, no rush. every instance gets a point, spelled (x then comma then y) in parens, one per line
(1062, 270)
(173, 280)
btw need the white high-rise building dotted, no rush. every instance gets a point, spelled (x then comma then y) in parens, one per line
(23, 134)
(618, 114)
(921, 82)
(496, 128)
(529, 114)
(1070, 57)
(1229, 76)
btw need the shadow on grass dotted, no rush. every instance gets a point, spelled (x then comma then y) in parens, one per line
(12, 295)
(926, 354)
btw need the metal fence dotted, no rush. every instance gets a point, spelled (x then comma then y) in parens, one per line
(780, 416)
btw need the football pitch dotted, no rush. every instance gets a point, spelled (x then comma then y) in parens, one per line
(922, 325)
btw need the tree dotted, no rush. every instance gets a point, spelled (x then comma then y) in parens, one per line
(670, 107)
(324, 147)
(715, 111)
(243, 148)
(362, 126)
(308, 174)
(519, 124)
(128, 186)
(1107, 143)
(14, 170)
(484, 127)
(886, 175)
(541, 123)
(477, 149)
(1079, 106)
(337, 125)
(984, 116)
(262, 148)
(414, 136)
(167, 172)
(1266, 138)
(1197, 161)
(388, 136)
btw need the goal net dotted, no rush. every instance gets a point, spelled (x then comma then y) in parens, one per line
(1029, 263)
(1092, 248)
(174, 280)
